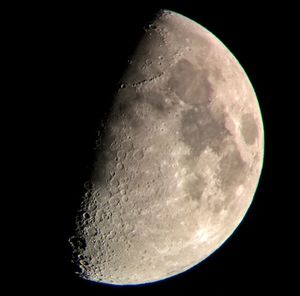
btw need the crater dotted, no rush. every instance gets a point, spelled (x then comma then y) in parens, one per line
(249, 129)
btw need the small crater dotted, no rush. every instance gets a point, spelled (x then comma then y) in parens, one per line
(123, 180)
(114, 201)
(121, 154)
(129, 228)
(125, 198)
(111, 234)
(114, 190)
(114, 182)
(127, 146)
(92, 206)
(148, 62)
(77, 242)
(114, 146)
(138, 155)
(107, 216)
(121, 239)
(120, 166)
(123, 186)
(92, 231)
(88, 194)
(88, 185)
(86, 216)
(97, 193)
(112, 174)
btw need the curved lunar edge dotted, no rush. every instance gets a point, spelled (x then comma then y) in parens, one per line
(178, 162)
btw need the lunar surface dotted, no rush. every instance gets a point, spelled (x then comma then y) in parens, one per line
(178, 160)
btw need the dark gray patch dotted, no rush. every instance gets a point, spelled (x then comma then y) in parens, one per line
(99, 173)
(217, 73)
(190, 84)
(217, 207)
(127, 98)
(181, 76)
(127, 101)
(232, 171)
(249, 129)
(129, 115)
(195, 187)
(124, 107)
(155, 100)
(134, 74)
(200, 129)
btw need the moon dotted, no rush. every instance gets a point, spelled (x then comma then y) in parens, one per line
(178, 159)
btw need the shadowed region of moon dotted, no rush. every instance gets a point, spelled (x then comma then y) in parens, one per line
(178, 159)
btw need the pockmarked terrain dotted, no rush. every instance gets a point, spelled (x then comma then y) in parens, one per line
(178, 161)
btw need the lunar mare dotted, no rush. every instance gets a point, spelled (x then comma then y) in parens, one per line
(178, 161)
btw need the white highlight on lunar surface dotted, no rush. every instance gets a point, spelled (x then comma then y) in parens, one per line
(178, 162)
